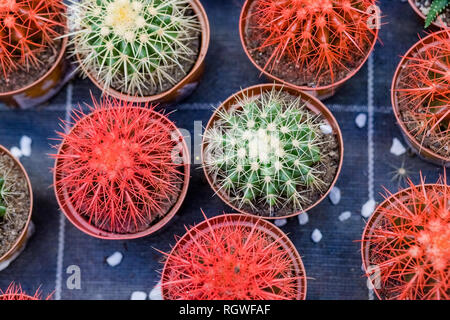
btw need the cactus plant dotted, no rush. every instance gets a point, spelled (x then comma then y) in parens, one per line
(28, 27)
(320, 40)
(120, 166)
(423, 93)
(15, 292)
(2, 198)
(228, 258)
(265, 150)
(437, 6)
(409, 243)
(135, 46)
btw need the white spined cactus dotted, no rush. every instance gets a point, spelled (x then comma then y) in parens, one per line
(265, 149)
(134, 46)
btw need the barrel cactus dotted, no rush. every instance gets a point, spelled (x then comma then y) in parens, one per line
(134, 46)
(27, 27)
(264, 150)
(2, 198)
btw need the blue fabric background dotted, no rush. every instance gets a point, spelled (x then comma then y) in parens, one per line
(333, 265)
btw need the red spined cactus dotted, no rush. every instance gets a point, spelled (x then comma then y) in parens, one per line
(324, 38)
(15, 292)
(407, 243)
(120, 166)
(26, 28)
(231, 258)
(423, 91)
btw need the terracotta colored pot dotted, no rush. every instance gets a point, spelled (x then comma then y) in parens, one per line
(22, 238)
(239, 219)
(312, 104)
(322, 92)
(424, 152)
(435, 25)
(372, 223)
(42, 89)
(83, 225)
(183, 88)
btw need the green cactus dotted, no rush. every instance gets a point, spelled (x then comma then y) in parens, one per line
(133, 45)
(437, 6)
(2, 198)
(265, 149)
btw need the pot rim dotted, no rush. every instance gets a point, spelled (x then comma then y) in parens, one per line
(417, 46)
(242, 25)
(373, 219)
(87, 228)
(422, 16)
(205, 40)
(30, 212)
(263, 225)
(314, 105)
(58, 60)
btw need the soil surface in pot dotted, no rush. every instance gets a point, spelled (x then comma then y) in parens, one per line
(177, 73)
(327, 168)
(22, 77)
(285, 69)
(17, 202)
(424, 7)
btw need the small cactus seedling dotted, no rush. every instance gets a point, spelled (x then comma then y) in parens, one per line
(134, 46)
(27, 27)
(231, 259)
(437, 6)
(408, 243)
(15, 292)
(120, 166)
(423, 91)
(265, 149)
(323, 38)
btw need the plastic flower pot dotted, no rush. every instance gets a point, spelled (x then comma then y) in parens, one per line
(322, 91)
(420, 47)
(313, 105)
(234, 225)
(82, 223)
(23, 235)
(180, 90)
(435, 25)
(42, 89)
(405, 244)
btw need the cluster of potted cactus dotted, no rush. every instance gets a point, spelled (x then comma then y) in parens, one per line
(270, 151)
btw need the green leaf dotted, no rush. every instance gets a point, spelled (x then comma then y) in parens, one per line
(436, 8)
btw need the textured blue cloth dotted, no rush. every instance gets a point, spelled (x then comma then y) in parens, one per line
(333, 265)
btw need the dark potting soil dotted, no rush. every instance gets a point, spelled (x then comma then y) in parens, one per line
(23, 77)
(17, 203)
(177, 73)
(285, 69)
(326, 168)
(424, 7)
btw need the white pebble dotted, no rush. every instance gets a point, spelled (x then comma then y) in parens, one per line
(138, 295)
(361, 120)
(280, 222)
(25, 146)
(156, 293)
(303, 218)
(345, 216)
(326, 129)
(368, 208)
(16, 152)
(114, 259)
(335, 195)
(316, 236)
(397, 148)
